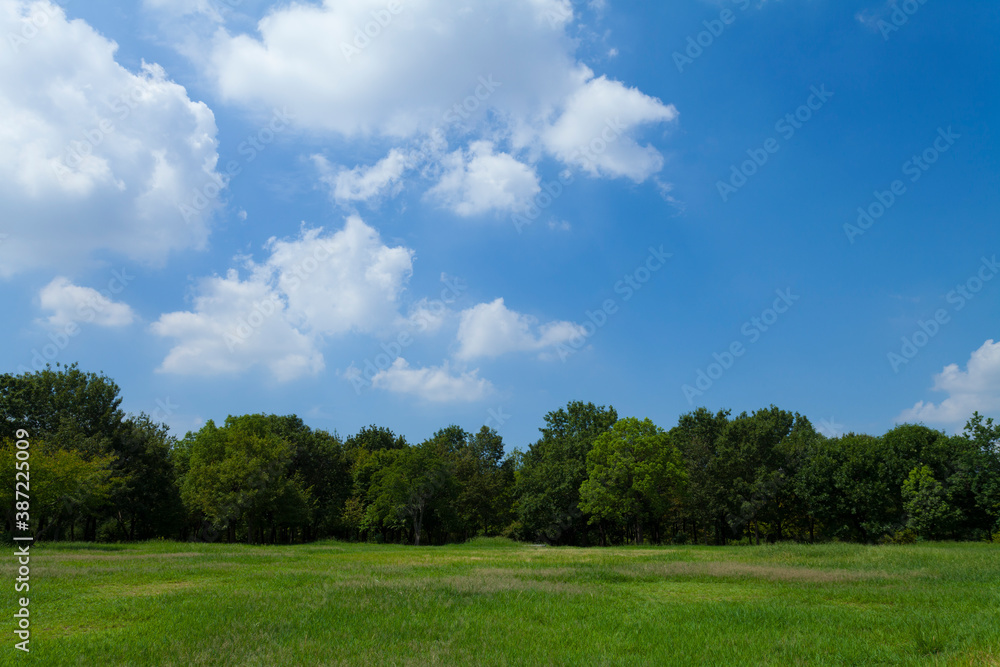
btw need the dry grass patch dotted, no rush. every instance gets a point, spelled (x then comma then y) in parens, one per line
(479, 580)
(117, 555)
(143, 590)
(746, 570)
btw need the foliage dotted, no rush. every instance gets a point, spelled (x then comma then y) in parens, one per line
(554, 468)
(634, 476)
(100, 474)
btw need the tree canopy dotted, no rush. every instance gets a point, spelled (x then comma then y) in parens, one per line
(590, 478)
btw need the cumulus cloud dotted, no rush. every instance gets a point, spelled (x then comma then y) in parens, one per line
(437, 384)
(97, 158)
(364, 183)
(491, 329)
(593, 130)
(347, 281)
(427, 316)
(189, 7)
(975, 388)
(356, 69)
(309, 288)
(401, 78)
(71, 303)
(481, 180)
(237, 324)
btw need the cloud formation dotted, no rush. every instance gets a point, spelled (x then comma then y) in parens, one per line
(437, 384)
(975, 388)
(309, 288)
(71, 303)
(97, 158)
(490, 330)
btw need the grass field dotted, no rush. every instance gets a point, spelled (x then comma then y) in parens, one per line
(493, 602)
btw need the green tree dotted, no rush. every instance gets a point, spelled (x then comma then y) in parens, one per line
(82, 411)
(634, 476)
(862, 488)
(926, 503)
(418, 482)
(485, 481)
(552, 470)
(63, 485)
(697, 437)
(144, 499)
(749, 464)
(983, 437)
(73, 411)
(374, 438)
(814, 462)
(241, 473)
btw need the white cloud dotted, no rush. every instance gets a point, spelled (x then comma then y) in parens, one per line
(437, 384)
(235, 325)
(594, 129)
(316, 59)
(427, 316)
(71, 303)
(481, 181)
(309, 288)
(491, 330)
(97, 158)
(976, 388)
(364, 183)
(517, 82)
(188, 7)
(347, 281)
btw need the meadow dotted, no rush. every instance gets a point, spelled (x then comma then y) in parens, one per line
(491, 601)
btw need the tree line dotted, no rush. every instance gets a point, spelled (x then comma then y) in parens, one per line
(592, 478)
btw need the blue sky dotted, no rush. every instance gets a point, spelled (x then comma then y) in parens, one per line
(479, 211)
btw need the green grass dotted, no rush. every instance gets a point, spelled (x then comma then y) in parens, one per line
(495, 602)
